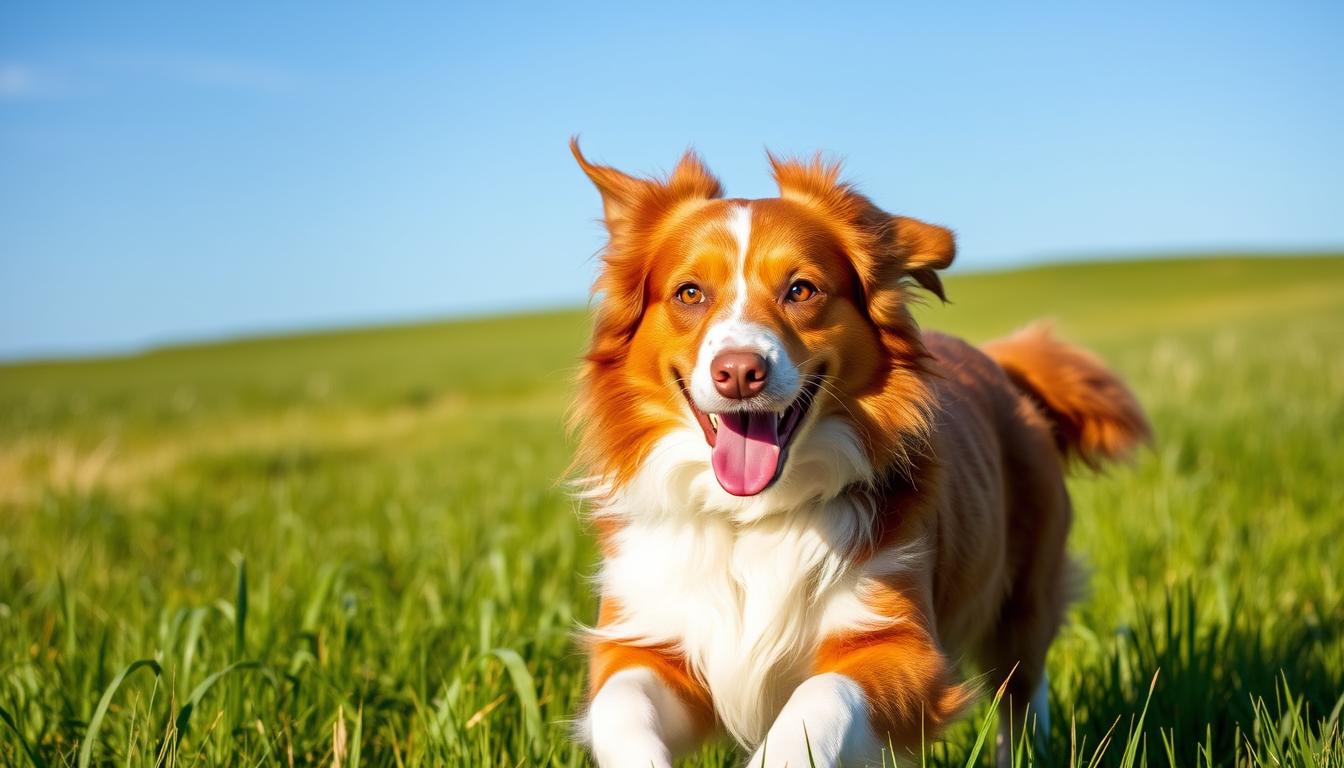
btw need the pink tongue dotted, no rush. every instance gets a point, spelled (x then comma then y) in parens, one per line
(746, 452)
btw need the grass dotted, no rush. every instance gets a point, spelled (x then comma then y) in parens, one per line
(352, 548)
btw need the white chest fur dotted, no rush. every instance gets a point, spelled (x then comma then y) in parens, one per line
(745, 588)
(746, 604)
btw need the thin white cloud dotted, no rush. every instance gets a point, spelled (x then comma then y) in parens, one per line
(16, 81)
(110, 73)
(229, 74)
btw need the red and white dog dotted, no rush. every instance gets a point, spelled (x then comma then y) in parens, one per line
(807, 507)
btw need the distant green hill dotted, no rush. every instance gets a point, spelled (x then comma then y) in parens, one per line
(528, 352)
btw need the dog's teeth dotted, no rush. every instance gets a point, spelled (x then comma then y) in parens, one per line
(714, 419)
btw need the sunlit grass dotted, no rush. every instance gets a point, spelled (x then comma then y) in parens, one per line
(355, 545)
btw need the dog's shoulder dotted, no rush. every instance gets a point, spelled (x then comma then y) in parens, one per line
(964, 377)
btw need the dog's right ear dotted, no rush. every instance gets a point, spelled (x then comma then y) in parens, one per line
(624, 197)
(620, 192)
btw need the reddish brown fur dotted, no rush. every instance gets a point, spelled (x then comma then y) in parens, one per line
(910, 684)
(967, 445)
(606, 658)
(1095, 416)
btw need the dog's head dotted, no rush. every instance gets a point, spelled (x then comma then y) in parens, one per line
(768, 341)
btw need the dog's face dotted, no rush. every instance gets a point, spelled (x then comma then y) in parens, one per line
(753, 312)
(775, 331)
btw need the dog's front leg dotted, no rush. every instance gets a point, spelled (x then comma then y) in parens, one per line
(890, 686)
(636, 720)
(824, 723)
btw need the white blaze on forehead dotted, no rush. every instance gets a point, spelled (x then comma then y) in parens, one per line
(739, 223)
(733, 331)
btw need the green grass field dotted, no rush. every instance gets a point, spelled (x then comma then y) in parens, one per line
(356, 547)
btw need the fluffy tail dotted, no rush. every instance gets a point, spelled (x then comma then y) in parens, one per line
(1095, 416)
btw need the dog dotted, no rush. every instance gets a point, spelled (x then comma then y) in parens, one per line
(809, 511)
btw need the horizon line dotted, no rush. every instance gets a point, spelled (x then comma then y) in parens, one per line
(72, 354)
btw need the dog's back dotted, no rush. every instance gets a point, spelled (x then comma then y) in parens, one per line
(1011, 417)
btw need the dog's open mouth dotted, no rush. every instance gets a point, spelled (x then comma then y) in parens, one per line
(751, 447)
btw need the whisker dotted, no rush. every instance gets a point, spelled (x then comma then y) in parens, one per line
(823, 383)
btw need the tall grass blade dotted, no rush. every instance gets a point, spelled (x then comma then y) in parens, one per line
(988, 723)
(1136, 734)
(183, 719)
(240, 613)
(194, 626)
(526, 688)
(357, 740)
(7, 719)
(96, 722)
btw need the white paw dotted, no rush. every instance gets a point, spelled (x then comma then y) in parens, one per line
(626, 752)
(824, 724)
(635, 722)
(797, 754)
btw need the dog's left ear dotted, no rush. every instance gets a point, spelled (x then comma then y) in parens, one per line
(898, 250)
(922, 249)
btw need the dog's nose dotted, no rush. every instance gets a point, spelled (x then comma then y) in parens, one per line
(739, 374)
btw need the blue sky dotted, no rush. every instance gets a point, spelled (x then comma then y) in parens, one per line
(172, 171)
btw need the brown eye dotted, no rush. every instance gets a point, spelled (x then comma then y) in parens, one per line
(690, 293)
(801, 290)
